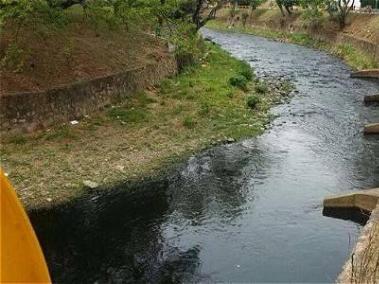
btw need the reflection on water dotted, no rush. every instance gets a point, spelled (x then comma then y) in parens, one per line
(250, 211)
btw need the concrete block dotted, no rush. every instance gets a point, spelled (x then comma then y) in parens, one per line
(364, 199)
(371, 99)
(372, 128)
(369, 73)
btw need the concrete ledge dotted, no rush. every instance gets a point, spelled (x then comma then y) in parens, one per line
(371, 73)
(371, 99)
(363, 264)
(372, 128)
(363, 199)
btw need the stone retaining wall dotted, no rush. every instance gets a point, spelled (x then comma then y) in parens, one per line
(363, 265)
(361, 44)
(33, 110)
(344, 38)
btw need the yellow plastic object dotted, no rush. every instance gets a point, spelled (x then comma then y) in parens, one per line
(22, 260)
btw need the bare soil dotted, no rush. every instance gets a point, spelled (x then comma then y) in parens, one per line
(79, 51)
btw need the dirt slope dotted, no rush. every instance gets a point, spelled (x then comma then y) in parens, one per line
(43, 59)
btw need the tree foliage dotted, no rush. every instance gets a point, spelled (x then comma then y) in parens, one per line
(287, 5)
(196, 12)
(339, 10)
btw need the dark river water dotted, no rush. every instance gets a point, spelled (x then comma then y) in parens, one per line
(244, 212)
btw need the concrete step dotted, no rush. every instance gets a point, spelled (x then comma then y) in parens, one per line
(364, 199)
(372, 128)
(369, 73)
(371, 99)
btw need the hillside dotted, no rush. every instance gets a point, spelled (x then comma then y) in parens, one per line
(42, 57)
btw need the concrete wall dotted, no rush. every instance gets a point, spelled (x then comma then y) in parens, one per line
(344, 38)
(363, 265)
(29, 111)
(361, 44)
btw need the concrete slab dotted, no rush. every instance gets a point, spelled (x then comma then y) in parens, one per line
(372, 128)
(363, 199)
(369, 73)
(363, 264)
(371, 99)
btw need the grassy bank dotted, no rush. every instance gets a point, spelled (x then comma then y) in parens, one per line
(143, 134)
(355, 58)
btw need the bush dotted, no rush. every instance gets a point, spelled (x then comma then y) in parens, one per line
(261, 88)
(252, 101)
(246, 71)
(313, 17)
(238, 81)
(189, 46)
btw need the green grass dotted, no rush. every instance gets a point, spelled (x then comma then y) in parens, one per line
(210, 101)
(355, 57)
(126, 115)
(143, 134)
(352, 56)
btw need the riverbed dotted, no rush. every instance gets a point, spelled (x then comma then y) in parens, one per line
(244, 212)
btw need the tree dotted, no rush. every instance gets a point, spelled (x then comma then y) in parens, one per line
(254, 4)
(286, 4)
(200, 15)
(340, 9)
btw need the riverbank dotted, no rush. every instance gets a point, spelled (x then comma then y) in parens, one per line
(355, 45)
(142, 135)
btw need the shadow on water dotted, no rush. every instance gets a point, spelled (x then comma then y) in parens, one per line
(356, 215)
(113, 238)
(116, 236)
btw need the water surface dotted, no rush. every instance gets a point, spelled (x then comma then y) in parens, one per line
(245, 212)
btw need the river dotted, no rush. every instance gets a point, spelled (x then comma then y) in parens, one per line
(243, 212)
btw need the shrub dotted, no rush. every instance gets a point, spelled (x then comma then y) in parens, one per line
(313, 17)
(189, 46)
(238, 81)
(246, 71)
(252, 101)
(261, 88)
